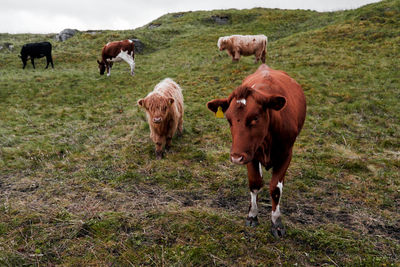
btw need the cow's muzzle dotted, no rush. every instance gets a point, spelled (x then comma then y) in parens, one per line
(157, 120)
(238, 158)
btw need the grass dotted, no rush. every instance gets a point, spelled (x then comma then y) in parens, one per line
(80, 186)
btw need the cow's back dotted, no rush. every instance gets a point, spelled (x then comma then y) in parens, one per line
(249, 44)
(36, 49)
(112, 49)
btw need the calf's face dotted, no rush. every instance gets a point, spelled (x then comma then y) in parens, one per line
(157, 107)
(249, 121)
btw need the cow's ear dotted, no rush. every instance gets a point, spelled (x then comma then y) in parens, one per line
(276, 102)
(98, 62)
(171, 100)
(214, 104)
(141, 102)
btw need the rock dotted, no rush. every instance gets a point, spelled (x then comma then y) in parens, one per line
(9, 46)
(178, 15)
(154, 25)
(222, 20)
(91, 32)
(65, 34)
(139, 46)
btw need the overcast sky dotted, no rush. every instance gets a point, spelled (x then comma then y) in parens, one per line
(52, 16)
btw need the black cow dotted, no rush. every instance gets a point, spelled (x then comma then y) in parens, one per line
(36, 50)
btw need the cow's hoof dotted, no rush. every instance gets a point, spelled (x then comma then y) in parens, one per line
(167, 147)
(159, 154)
(277, 229)
(252, 221)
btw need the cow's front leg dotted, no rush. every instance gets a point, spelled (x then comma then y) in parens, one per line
(159, 142)
(168, 143)
(236, 55)
(275, 189)
(33, 62)
(108, 67)
(254, 173)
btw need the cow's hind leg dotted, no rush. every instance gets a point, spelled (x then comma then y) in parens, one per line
(180, 126)
(275, 189)
(263, 56)
(132, 65)
(254, 173)
(33, 62)
(49, 61)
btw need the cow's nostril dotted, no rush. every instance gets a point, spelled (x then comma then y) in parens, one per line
(237, 160)
(157, 120)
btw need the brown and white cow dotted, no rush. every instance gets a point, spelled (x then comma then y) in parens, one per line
(114, 52)
(265, 114)
(245, 45)
(164, 110)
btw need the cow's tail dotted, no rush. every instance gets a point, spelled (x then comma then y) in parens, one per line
(265, 43)
(133, 49)
(264, 51)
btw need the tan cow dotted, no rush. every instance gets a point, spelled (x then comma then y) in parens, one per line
(246, 45)
(164, 110)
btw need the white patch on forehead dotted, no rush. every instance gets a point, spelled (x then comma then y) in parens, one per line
(241, 101)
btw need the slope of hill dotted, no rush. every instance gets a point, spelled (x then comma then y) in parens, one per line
(80, 185)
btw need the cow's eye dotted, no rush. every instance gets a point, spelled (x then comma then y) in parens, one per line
(254, 121)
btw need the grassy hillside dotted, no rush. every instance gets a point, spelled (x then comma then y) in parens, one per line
(80, 185)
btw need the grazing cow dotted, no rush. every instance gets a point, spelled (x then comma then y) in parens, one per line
(114, 52)
(245, 45)
(164, 110)
(265, 114)
(36, 50)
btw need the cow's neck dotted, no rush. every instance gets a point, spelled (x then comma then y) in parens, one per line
(263, 153)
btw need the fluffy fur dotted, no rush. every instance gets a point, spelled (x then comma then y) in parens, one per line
(245, 45)
(164, 110)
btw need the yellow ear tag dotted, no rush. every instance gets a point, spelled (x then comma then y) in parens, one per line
(219, 113)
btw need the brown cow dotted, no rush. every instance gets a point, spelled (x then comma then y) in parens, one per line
(114, 52)
(266, 114)
(164, 110)
(245, 45)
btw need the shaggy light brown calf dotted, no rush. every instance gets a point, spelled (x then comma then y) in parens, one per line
(245, 45)
(164, 110)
